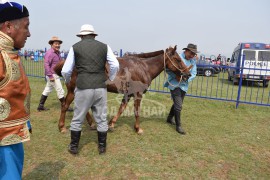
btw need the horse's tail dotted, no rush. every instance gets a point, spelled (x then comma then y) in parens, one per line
(58, 68)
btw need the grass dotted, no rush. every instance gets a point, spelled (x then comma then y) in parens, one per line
(221, 142)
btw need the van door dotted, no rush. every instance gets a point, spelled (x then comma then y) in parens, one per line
(264, 62)
(233, 64)
(250, 64)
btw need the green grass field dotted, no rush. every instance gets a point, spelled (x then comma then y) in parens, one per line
(221, 142)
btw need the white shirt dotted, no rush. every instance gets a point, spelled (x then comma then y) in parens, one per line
(70, 63)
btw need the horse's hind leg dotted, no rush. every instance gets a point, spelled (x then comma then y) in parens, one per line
(137, 103)
(122, 107)
(61, 123)
(90, 121)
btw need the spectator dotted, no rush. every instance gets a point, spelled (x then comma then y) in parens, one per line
(218, 57)
(218, 62)
(15, 90)
(36, 56)
(52, 57)
(25, 54)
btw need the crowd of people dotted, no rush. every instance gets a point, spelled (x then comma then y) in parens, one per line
(218, 60)
(38, 55)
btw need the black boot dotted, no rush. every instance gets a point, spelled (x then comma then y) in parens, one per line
(102, 136)
(179, 129)
(170, 116)
(41, 103)
(75, 138)
(62, 100)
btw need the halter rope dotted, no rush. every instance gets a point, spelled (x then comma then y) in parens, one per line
(175, 67)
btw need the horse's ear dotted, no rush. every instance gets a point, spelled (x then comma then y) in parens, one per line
(174, 49)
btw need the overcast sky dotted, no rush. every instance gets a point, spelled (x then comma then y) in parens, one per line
(216, 26)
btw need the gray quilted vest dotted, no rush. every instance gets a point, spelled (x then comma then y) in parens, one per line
(90, 60)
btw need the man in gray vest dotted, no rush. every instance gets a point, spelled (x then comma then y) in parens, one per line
(89, 57)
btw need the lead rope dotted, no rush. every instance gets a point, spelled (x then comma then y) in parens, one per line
(165, 74)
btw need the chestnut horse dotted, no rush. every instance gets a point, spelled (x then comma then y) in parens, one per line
(135, 75)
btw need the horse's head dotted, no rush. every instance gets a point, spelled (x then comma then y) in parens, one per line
(175, 64)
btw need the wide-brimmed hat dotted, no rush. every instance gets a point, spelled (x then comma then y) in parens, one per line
(55, 38)
(192, 48)
(86, 29)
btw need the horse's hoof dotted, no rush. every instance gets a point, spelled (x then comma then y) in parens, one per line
(140, 131)
(63, 130)
(111, 129)
(93, 128)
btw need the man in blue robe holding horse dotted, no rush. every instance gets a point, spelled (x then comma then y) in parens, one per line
(178, 89)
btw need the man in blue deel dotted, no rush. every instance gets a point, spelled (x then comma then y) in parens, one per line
(178, 89)
(15, 125)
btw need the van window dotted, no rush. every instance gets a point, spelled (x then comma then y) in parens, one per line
(236, 55)
(264, 56)
(232, 59)
(250, 55)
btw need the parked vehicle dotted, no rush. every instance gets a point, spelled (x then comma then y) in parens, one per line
(256, 63)
(207, 68)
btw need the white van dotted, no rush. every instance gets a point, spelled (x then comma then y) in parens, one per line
(256, 63)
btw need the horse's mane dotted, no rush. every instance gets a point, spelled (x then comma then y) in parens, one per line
(146, 55)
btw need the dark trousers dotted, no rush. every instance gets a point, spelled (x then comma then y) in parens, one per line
(178, 96)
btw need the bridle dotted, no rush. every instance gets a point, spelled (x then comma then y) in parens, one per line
(181, 77)
(165, 54)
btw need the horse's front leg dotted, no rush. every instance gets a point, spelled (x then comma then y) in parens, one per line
(122, 107)
(64, 107)
(137, 103)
